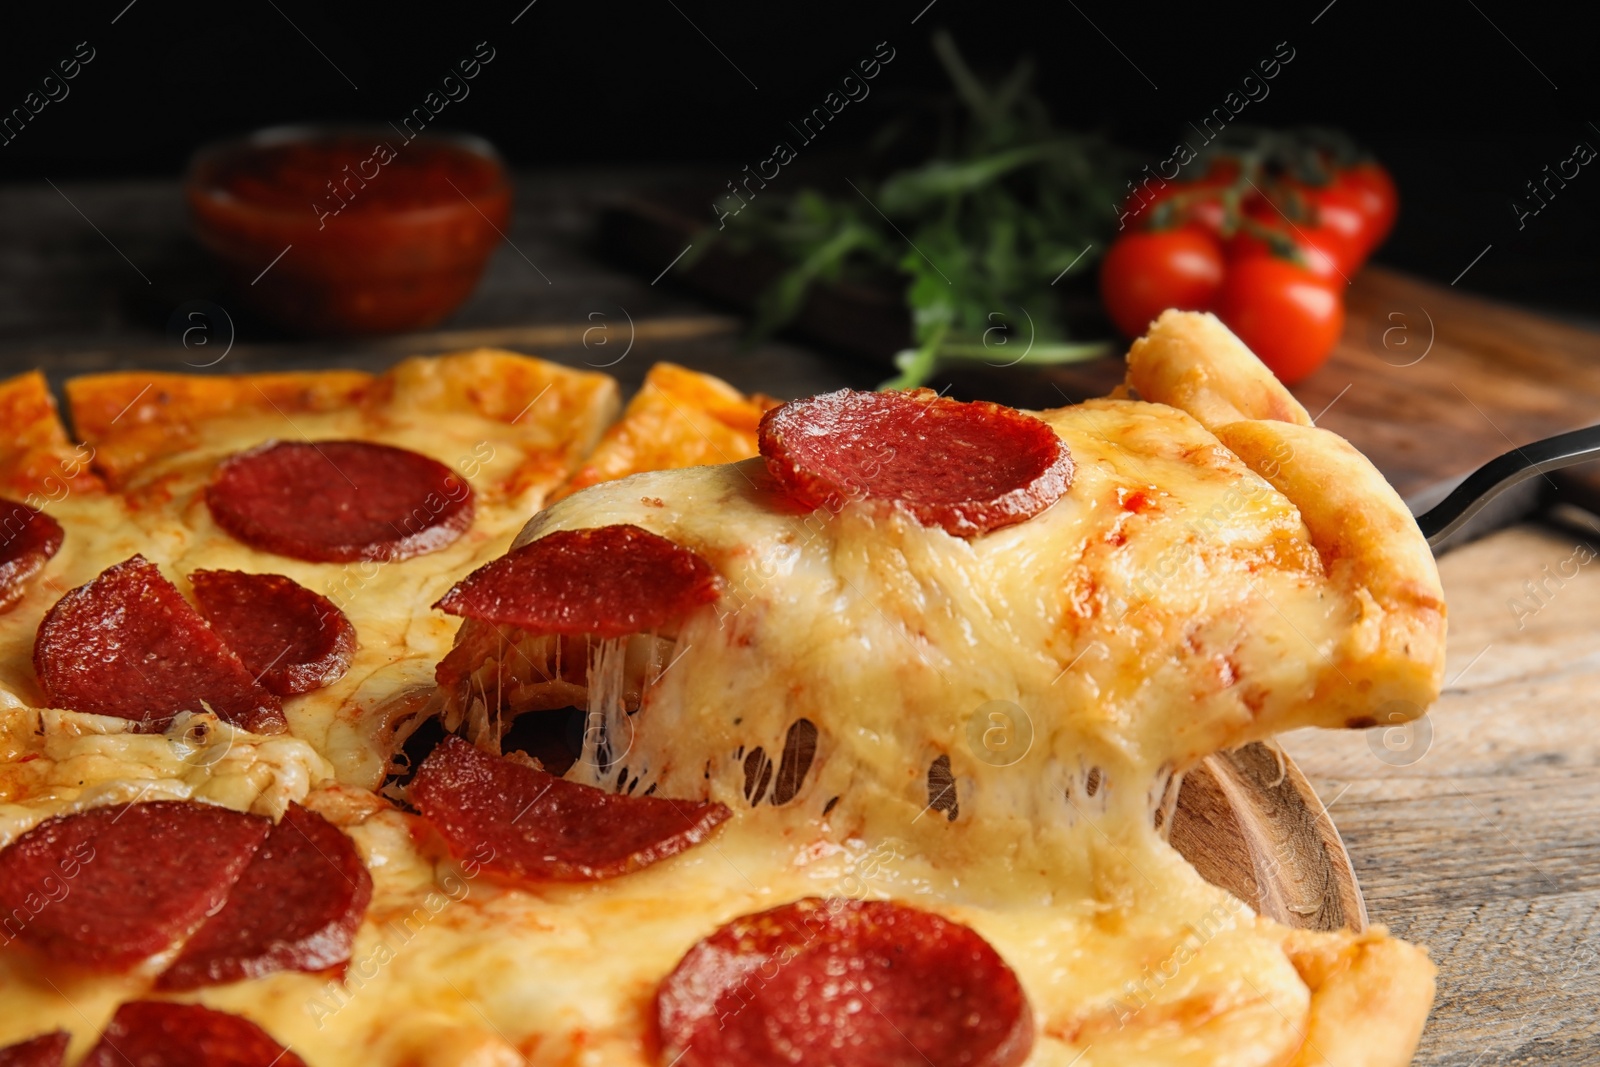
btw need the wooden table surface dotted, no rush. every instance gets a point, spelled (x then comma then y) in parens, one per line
(1477, 835)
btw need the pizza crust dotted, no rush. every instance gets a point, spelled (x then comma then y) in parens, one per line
(134, 418)
(1390, 666)
(678, 418)
(39, 464)
(1371, 995)
(1192, 361)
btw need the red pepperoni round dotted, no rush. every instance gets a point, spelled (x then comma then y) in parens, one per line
(844, 982)
(291, 639)
(965, 468)
(157, 1033)
(295, 908)
(28, 539)
(610, 581)
(109, 887)
(339, 501)
(540, 828)
(128, 644)
(46, 1050)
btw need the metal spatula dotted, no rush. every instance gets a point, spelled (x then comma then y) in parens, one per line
(1503, 473)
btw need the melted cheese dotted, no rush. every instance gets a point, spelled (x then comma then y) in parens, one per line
(55, 762)
(1170, 605)
(162, 514)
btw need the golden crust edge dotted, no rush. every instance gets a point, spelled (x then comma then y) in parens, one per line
(157, 410)
(1191, 361)
(133, 418)
(1370, 997)
(38, 459)
(720, 425)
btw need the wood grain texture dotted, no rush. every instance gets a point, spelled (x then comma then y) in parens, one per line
(1250, 822)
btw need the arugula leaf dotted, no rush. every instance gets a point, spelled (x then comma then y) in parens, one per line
(992, 221)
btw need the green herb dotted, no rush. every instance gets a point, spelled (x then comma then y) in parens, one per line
(979, 233)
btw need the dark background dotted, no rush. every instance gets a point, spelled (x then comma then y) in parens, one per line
(1463, 110)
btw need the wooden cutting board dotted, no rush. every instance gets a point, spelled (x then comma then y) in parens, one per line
(1250, 823)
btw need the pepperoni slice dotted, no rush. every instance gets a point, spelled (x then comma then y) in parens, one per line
(46, 1050)
(109, 887)
(291, 639)
(844, 982)
(157, 1033)
(339, 501)
(28, 539)
(295, 908)
(543, 828)
(609, 581)
(128, 644)
(965, 468)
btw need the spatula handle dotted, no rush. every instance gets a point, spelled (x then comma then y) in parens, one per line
(1503, 472)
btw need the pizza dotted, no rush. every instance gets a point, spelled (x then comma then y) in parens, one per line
(435, 718)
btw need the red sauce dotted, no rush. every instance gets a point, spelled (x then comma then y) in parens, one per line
(382, 234)
(1138, 501)
(359, 174)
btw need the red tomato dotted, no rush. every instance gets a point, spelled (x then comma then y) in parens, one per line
(1326, 253)
(1205, 208)
(1144, 274)
(1208, 213)
(1141, 204)
(1339, 209)
(1373, 192)
(1302, 216)
(1202, 199)
(1286, 315)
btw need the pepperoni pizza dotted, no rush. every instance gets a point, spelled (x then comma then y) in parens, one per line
(841, 732)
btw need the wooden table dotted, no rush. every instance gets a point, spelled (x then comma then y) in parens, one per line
(1481, 841)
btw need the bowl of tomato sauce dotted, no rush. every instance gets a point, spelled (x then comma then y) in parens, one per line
(350, 231)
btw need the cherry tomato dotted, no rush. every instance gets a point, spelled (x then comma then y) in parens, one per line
(1141, 204)
(1373, 192)
(1286, 315)
(1326, 253)
(1201, 200)
(1339, 209)
(1205, 207)
(1337, 234)
(1144, 274)
(1208, 213)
